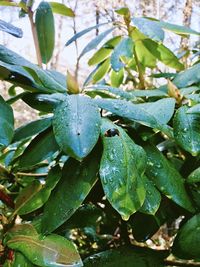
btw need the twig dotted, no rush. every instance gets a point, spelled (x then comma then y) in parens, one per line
(35, 37)
(31, 174)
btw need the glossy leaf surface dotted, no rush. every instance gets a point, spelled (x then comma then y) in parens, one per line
(76, 125)
(185, 244)
(122, 167)
(6, 123)
(187, 130)
(44, 22)
(126, 257)
(76, 182)
(41, 147)
(167, 178)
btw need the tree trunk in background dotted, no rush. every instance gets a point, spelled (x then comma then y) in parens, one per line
(187, 14)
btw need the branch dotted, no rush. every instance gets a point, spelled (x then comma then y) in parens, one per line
(35, 37)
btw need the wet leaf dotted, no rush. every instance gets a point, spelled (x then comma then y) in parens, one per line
(122, 167)
(76, 125)
(152, 199)
(187, 130)
(167, 179)
(76, 182)
(155, 115)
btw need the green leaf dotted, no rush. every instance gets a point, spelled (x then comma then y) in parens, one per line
(95, 42)
(41, 147)
(101, 71)
(43, 102)
(153, 198)
(6, 123)
(76, 125)
(126, 257)
(149, 28)
(117, 78)
(122, 167)
(61, 9)
(100, 56)
(123, 49)
(186, 242)
(188, 77)
(31, 128)
(21, 261)
(167, 178)
(155, 114)
(187, 130)
(48, 81)
(145, 57)
(163, 54)
(81, 33)
(76, 182)
(194, 177)
(9, 28)
(8, 3)
(35, 195)
(178, 29)
(112, 92)
(50, 251)
(44, 22)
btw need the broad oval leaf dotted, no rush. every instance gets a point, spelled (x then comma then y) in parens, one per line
(186, 242)
(6, 123)
(41, 147)
(187, 130)
(50, 251)
(76, 125)
(44, 22)
(9, 28)
(99, 56)
(76, 182)
(121, 171)
(167, 178)
(127, 257)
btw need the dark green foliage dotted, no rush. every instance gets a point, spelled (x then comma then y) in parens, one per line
(107, 164)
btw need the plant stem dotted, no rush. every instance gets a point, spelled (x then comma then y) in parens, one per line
(31, 174)
(140, 72)
(35, 38)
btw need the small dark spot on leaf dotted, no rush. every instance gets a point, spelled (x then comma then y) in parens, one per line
(112, 132)
(78, 133)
